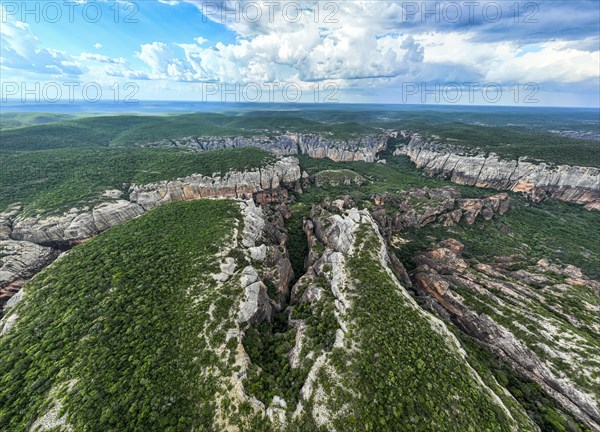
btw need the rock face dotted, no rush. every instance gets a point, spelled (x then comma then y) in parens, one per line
(230, 185)
(266, 280)
(29, 243)
(20, 261)
(420, 207)
(364, 148)
(580, 185)
(524, 321)
(75, 225)
(80, 224)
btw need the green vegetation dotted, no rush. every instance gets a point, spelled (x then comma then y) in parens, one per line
(115, 327)
(55, 180)
(516, 142)
(555, 231)
(120, 334)
(127, 130)
(14, 120)
(405, 374)
(398, 174)
(338, 177)
(297, 244)
(543, 410)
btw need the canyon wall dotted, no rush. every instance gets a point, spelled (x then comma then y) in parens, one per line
(79, 224)
(29, 243)
(574, 184)
(363, 148)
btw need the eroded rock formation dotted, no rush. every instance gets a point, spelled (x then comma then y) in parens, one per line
(20, 261)
(420, 207)
(79, 224)
(363, 148)
(29, 243)
(522, 317)
(539, 181)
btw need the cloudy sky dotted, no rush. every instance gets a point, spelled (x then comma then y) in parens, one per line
(545, 52)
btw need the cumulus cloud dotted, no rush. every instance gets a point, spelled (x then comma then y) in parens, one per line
(373, 42)
(356, 44)
(308, 43)
(20, 50)
(507, 61)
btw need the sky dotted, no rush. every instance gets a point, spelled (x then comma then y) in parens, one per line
(544, 53)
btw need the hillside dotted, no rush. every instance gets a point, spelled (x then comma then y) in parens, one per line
(291, 282)
(56, 180)
(127, 130)
(131, 342)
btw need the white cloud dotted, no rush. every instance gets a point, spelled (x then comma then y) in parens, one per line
(102, 58)
(505, 62)
(97, 45)
(319, 44)
(20, 50)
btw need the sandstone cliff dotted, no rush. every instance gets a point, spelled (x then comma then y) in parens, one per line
(29, 243)
(364, 148)
(580, 185)
(79, 224)
(420, 207)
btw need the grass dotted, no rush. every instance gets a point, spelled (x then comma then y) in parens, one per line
(118, 318)
(56, 180)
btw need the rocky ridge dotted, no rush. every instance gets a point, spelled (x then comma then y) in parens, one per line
(420, 207)
(539, 181)
(522, 317)
(336, 233)
(363, 148)
(31, 242)
(80, 224)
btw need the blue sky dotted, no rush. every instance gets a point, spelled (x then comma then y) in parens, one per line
(486, 52)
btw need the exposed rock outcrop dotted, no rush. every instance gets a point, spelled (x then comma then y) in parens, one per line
(75, 225)
(230, 185)
(267, 279)
(20, 261)
(363, 148)
(420, 207)
(79, 224)
(29, 243)
(342, 177)
(539, 181)
(523, 320)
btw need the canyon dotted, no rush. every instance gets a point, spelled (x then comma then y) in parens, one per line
(498, 303)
